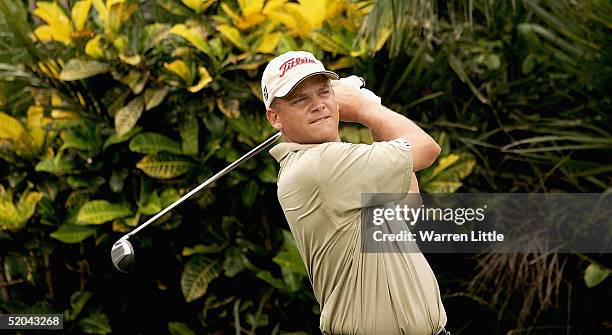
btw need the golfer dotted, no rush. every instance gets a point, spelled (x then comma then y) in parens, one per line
(320, 183)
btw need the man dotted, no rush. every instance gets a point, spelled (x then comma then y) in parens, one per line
(320, 184)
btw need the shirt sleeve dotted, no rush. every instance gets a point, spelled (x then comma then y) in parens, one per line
(353, 176)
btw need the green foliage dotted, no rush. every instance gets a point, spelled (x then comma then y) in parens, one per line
(100, 211)
(69, 233)
(595, 275)
(112, 110)
(199, 272)
(96, 324)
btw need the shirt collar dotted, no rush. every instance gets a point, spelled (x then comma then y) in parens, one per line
(281, 150)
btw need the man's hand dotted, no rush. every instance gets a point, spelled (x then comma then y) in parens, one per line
(385, 124)
(354, 106)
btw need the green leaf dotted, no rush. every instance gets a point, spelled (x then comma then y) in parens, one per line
(116, 180)
(152, 143)
(152, 206)
(198, 273)
(55, 166)
(273, 281)
(189, 130)
(78, 182)
(114, 138)
(269, 174)
(594, 275)
(175, 7)
(168, 196)
(101, 211)
(249, 193)
(193, 37)
(154, 96)
(77, 302)
(203, 249)
(327, 44)
(164, 166)
(289, 257)
(69, 233)
(234, 262)
(126, 117)
(96, 324)
(179, 328)
(77, 69)
(136, 80)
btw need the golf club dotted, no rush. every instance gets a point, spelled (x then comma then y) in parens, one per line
(122, 252)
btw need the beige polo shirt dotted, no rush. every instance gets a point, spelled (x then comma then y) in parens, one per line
(319, 189)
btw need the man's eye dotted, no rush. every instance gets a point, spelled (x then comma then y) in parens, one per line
(325, 92)
(298, 100)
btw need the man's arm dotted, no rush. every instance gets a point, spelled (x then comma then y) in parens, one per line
(385, 124)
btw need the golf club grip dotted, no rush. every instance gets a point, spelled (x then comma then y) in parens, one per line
(218, 175)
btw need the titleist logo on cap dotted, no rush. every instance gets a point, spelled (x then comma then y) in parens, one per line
(291, 63)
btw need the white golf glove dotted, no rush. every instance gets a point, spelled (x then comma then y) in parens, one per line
(359, 84)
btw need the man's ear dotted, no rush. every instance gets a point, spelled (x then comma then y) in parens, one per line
(274, 119)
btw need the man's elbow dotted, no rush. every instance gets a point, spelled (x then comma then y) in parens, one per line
(427, 154)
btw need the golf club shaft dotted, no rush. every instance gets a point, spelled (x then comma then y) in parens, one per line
(218, 175)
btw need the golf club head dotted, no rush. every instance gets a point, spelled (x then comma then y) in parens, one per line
(122, 255)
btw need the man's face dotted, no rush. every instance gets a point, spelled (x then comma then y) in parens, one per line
(309, 114)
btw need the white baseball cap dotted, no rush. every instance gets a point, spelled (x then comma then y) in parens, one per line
(286, 71)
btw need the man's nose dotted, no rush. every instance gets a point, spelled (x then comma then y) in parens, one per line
(316, 104)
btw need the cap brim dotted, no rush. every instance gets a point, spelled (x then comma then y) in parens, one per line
(289, 86)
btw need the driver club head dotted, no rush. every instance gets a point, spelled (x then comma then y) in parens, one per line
(122, 255)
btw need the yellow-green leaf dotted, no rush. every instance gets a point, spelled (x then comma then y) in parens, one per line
(326, 43)
(101, 211)
(77, 69)
(55, 166)
(126, 117)
(233, 35)
(69, 233)
(594, 275)
(268, 43)
(164, 166)
(93, 48)
(10, 127)
(132, 60)
(192, 37)
(152, 143)
(14, 217)
(447, 174)
(229, 107)
(102, 10)
(154, 96)
(198, 6)
(181, 69)
(136, 80)
(60, 27)
(205, 79)
(382, 38)
(47, 33)
(152, 205)
(80, 11)
(119, 12)
(251, 17)
(198, 273)
(250, 7)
